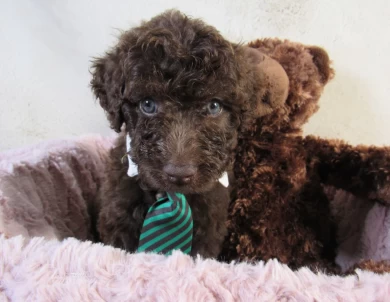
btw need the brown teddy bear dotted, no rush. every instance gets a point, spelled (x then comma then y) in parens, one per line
(280, 208)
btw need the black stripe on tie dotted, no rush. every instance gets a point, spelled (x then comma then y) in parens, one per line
(163, 230)
(160, 221)
(161, 200)
(174, 197)
(173, 235)
(178, 242)
(164, 210)
(185, 247)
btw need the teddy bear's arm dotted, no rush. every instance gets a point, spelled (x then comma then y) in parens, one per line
(360, 170)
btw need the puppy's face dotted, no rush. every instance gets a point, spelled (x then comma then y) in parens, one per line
(180, 107)
(183, 137)
(181, 89)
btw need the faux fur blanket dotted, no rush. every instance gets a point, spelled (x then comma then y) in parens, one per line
(46, 194)
(41, 270)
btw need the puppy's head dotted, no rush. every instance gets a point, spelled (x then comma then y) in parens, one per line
(182, 91)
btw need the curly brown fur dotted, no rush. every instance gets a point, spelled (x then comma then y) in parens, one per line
(280, 209)
(182, 65)
(275, 214)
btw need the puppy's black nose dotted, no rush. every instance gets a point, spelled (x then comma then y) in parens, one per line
(179, 174)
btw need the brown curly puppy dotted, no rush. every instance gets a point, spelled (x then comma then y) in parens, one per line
(182, 92)
(281, 209)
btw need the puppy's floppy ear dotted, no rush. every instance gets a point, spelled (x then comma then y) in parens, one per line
(273, 84)
(108, 85)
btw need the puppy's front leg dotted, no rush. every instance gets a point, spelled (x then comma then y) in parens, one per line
(209, 212)
(121, 215)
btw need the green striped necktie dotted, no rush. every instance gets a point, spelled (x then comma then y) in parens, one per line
(168, 226)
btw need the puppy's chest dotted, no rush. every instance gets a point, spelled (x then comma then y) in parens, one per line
(209, 207)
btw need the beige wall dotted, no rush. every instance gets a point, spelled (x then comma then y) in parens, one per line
(46, 47)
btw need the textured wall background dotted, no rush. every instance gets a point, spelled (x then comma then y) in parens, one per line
(46, 47)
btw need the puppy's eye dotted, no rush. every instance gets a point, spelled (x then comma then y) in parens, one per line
(214, 108)
(148, 106)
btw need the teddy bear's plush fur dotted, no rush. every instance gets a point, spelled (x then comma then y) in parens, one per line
(279, 208)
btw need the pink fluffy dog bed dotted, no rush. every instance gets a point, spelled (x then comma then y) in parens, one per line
(45, 253)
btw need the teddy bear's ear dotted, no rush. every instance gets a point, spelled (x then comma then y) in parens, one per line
(323, 63)
(272, 82)
(107, 85)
